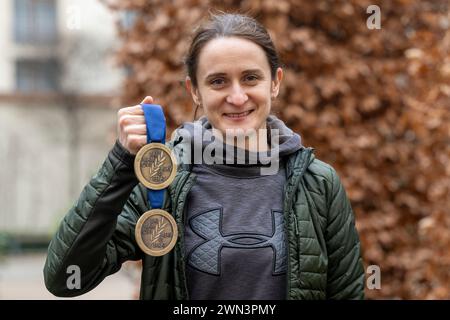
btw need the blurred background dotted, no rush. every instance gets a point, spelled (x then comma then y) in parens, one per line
(371, 96)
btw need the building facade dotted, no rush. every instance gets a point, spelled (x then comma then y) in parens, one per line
(57, 118)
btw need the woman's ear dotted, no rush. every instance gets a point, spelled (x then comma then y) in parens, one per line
(276, 83)
(192, 90)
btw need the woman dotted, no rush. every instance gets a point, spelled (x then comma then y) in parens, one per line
(289, 234)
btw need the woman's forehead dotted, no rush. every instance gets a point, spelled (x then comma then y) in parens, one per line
(231, 53)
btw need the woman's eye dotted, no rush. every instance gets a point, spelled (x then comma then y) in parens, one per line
(217, 82)
(251, 78)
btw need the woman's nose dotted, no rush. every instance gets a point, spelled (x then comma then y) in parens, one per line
(237, 96)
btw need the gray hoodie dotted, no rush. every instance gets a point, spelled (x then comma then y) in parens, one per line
(235, 243)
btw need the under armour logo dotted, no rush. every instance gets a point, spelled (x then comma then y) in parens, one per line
(205, 257)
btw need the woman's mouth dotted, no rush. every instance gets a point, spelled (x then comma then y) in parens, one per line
(238, 116)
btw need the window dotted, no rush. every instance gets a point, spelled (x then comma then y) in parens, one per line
(37, 75)
(35, 21)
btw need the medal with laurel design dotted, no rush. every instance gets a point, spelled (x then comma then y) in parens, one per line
(156, 232)
(155, 166)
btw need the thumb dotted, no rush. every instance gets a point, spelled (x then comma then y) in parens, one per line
(148, 99)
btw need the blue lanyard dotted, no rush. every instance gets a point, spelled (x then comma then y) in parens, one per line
(156, 132)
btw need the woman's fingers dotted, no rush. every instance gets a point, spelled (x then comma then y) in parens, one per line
(136, 142)
(128, 120)
(131, 125)
(134, 110)
(136, 129)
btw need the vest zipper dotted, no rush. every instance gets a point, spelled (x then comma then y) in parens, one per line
(290, 211)
(297, 235)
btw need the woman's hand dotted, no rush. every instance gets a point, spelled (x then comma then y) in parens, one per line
(131, 126)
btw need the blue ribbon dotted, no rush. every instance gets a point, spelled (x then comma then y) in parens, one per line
(156, 132)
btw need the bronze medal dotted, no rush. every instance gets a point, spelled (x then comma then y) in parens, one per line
(155, 166)
(156, 232)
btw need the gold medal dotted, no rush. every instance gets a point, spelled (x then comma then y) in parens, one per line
(156, 232)
(155, 166)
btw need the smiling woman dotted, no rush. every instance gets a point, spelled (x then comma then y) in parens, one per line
(235, 87)
(288, 234)
(233, 72)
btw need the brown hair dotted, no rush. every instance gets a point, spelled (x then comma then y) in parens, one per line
(230, 25)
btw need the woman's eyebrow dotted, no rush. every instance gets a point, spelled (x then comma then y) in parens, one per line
(223, 74)
(257, 71)
(215, 75)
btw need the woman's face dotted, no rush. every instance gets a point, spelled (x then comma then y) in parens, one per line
(234, 85)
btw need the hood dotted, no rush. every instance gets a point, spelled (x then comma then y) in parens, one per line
(198, 143)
